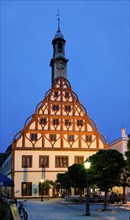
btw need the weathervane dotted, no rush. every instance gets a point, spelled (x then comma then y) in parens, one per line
(58, 15)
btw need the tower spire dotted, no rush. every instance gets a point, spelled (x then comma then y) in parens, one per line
(58, 15)
(58, 62)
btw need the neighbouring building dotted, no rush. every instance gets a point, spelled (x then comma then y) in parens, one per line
(120, 145)
(58, 134)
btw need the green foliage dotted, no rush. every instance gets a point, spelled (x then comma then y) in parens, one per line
(48, 184)
(106, 166)
(64, 180)
(5, 212)
(127, 154)
(78, 176)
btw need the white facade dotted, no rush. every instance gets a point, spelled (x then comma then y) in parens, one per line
(121, 146)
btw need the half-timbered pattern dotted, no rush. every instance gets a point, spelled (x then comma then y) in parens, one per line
(58, 134)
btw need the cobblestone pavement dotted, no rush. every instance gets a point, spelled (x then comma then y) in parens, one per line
(55, 209)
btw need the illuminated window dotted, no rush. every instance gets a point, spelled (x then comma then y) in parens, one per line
(26, 188)
(43, 161)
(88, 138)
(79, 159)
(33, 137)
(27, 161)
(67, 122)
(43, 121)
(61, 161)
(70, 137)
(79, 122)
(67, 108)
(55, 121)
(55, 107)
(52, 137)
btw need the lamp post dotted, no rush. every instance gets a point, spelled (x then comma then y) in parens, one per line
(42, 181)
(87, 165)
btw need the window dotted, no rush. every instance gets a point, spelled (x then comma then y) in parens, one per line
(79, 159)
(27, 161)
(60, 47)
(43, 161)
(26, 189)
(67, 95)
(79, 122)
(43, 121)
(67, 122)
(67, 108)
(55, 121)
(88, 138)
(52, 137)
(55, 107)
(56, 94)
(61, 161)
(70, 137)
(33, 136)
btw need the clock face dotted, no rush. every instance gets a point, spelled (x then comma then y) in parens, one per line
(60, 65)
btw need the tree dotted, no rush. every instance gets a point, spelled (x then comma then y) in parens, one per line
(47, 184)
(124, 179)
(127, 154)
(78, 176)
(64, 181)
(106, 167)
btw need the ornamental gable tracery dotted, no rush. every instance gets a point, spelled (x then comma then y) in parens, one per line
(60, 122)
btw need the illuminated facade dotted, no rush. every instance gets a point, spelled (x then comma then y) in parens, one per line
(59, 133)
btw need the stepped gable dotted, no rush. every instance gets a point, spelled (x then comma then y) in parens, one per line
(60, 122)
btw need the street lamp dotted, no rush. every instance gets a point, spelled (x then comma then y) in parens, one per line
(87, 165)
(42, 181)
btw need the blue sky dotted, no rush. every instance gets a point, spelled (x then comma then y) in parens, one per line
(97, 35)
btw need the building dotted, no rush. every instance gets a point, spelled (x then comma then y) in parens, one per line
(59, 133)
(120, 145)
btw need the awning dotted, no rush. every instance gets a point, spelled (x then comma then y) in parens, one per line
(5, 181)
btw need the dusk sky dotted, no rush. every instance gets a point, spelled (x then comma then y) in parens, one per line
(97, 46)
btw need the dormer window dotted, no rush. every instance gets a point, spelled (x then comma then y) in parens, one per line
(55, 107)
(88, 138)
(33, 137)
(56, 94)
(67, 108)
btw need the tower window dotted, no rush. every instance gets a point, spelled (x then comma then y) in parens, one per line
(88, 138)
(43, 121)
(52, 137)
(33, 137)
(70, 137)
(67, 108)
(55, 107)
(79, 122)
(60, 47)
(67, 122)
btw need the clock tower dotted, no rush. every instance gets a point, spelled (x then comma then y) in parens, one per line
(58, 62)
